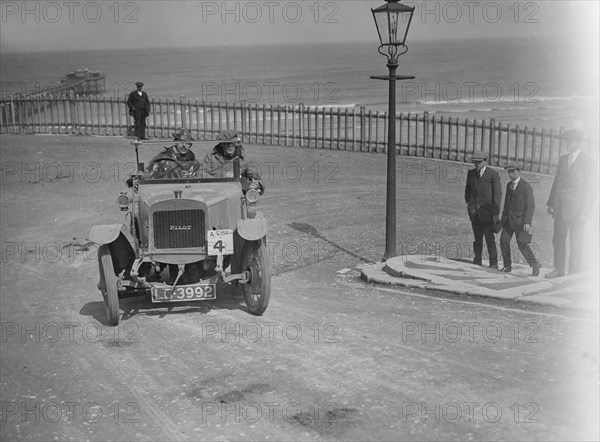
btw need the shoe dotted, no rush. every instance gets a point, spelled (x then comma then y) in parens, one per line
(477, 262)
(554, 274)
(494, 266)
(506, 269)
(535, 270)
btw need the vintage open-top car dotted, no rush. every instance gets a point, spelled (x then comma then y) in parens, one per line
(183, 230)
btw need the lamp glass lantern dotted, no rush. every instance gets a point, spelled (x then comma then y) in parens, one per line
(392, 21)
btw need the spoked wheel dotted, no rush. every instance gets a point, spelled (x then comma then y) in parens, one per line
(108, 285)
(257, 291)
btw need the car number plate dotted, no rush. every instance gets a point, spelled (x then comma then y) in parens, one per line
(182, 293)
(219, 241)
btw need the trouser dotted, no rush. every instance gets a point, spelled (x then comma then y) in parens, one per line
(139, 123)
(481, 230)
(524, 248)
(562, 227)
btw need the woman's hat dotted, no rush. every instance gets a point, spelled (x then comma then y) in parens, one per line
(183, 135)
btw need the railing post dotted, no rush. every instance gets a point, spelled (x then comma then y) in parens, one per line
(466, 140)
(362, 127)
(12, 115)
(542, 142)
(491, 139)
(182, 112)
(301, 123)
(243, 117)
(425, 132)
(285, 125)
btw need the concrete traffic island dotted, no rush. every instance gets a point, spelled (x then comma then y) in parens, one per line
(464, 278)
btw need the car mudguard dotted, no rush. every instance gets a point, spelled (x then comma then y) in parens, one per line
(120, 245)
(252, 229)
(108, 233)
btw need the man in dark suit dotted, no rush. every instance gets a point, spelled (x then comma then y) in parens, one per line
(483, 195)
(570, 202)
(139, 109)
(517, 214)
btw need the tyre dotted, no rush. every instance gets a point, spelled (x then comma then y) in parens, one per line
(108, 285)
(257, 291)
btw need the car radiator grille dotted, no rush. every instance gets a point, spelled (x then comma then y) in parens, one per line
(178, 229)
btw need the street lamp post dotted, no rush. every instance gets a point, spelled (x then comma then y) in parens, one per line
(392, 21)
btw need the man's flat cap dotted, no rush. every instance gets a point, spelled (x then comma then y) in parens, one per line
(572, 135)
(139, 83)
(479, 156)
(512, 166)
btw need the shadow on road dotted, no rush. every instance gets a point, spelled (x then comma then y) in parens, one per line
(311, 230)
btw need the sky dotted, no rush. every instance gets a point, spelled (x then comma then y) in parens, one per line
(77, 25)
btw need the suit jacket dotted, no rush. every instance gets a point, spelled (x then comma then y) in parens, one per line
(483, 194)
(519, 205)
(135, 102)
(573, 189)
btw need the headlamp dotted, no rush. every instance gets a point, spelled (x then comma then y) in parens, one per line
(123, 201)
(252, 196)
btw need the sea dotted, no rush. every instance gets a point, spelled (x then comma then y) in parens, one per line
(531, 82)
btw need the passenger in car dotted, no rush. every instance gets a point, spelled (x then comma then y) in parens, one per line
(219, 162)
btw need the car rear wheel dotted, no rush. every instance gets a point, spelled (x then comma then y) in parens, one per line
(255, 260)
(108, 285)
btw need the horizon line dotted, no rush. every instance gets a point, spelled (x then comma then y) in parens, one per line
(246, 45)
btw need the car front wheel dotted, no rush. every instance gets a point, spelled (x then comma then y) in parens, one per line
(108, 285)
(257, 291)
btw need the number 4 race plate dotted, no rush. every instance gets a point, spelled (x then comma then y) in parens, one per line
(219, 241)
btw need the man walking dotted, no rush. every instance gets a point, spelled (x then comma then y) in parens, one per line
(483, 194)
(517, 214)
(570, 203)
(139, 109)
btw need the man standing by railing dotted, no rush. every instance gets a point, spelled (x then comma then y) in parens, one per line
(483, 195)
(139, 109)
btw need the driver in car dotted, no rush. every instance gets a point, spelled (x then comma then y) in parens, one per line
(219, 162)
(176, 161)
